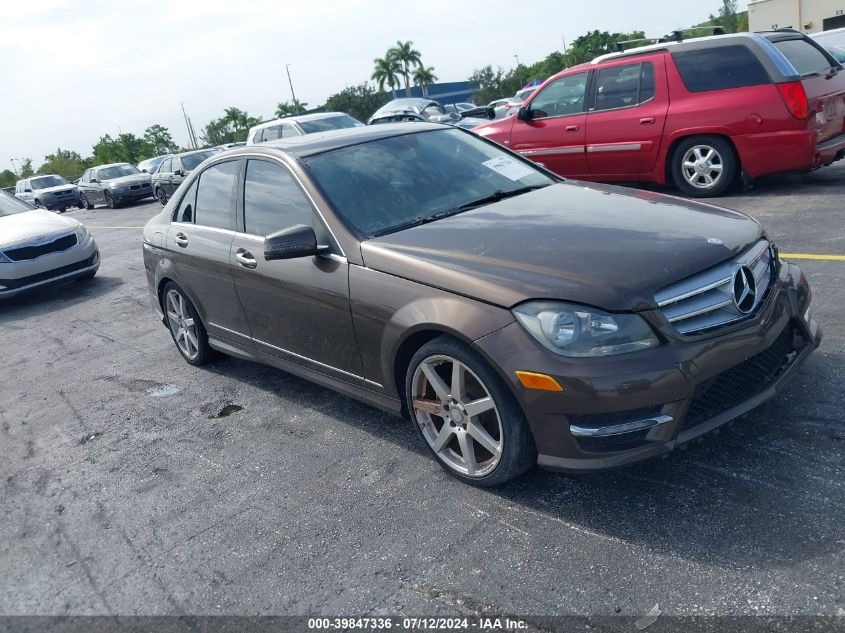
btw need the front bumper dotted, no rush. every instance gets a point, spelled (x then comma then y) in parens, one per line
(52, 204)
(132, 194)
(662, 397)
(20, 277)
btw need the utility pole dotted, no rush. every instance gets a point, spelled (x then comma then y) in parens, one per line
(516, 57)
(191, 139)
(14, 169)
(292, 93)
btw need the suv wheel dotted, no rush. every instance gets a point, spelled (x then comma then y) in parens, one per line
(466, 416)
(704, 166)
(185, 326)
(162, 198)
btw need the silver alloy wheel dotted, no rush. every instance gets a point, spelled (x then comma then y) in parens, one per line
(182, 325)
(702, 166)
(457, 415)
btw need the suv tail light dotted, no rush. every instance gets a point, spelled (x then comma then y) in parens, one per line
(795, 98)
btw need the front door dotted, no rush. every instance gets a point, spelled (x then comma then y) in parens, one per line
(298, 309)
(555, 134)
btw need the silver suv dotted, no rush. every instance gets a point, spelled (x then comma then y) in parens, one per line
(51, 192)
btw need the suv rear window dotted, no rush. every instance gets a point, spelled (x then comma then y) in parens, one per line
(806, 58)
(720, 68)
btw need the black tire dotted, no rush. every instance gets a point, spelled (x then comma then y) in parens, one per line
(204, 353)
(37, 204)
(83, 201)
(518, 452)
(110, 203)
(724, 155)
(161, 196)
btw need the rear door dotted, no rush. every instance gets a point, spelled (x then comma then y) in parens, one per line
(823, 82)
(628, 103)
(162, 177)
(177, 175)
(555, 135)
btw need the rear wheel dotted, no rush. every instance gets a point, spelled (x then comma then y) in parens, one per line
(466, 416)
(704, 166)
(185, 326)
(162, 197)
(84, 203)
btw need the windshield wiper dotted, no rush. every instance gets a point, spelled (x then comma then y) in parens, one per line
(497, 195)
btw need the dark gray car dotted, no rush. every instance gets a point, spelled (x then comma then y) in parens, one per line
(174, 169)
(514, 317)
(113, 185)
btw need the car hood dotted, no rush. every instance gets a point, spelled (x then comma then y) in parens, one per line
(57, 188)
(598, 245)
(135, 179)
(29, 224)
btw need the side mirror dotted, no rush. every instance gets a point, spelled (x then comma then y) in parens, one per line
(178, 172)
(523, 114)
(27, 190)
(95, 181)
(296, 241)
(480, 113)
(143, 171)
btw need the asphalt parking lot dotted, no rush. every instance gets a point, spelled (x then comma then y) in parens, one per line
(133, 483)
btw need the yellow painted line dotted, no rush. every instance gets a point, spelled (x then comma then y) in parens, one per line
(830, 258)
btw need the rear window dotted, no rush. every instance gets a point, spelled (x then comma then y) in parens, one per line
(720, 68)
(806, 58)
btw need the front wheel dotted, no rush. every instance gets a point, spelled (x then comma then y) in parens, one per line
(704, 166)
(110, 200)
(466, 416)
(84, 203)
(185, 326)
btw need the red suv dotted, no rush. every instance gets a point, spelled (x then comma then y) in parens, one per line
(698, 113)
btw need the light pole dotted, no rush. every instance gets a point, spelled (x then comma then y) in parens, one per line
(292, 93)
(516, 57)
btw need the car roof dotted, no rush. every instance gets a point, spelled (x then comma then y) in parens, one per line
(297, 119)
(406, 104)
(109, 165)
(193, 151)
(319, 142)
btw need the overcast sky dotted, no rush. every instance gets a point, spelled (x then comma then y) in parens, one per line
(73, 71)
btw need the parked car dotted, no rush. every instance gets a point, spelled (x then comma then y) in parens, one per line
(230, 145)
(515, 317)
(299, 126)
(51, 192)
(699, 113)
(174, 169)
(505, 107)
(114, 185)
(150, 165)
(426, 110)
(833, 41)
(39, 248)
(522, 95)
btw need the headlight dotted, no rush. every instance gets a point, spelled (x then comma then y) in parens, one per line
(81, 233)
(573, 330)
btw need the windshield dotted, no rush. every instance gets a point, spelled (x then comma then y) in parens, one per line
(108, 173)
(47, 181)
(190, 162)
(9, 205)
(386, 185)
(329, 123)
(834, 42)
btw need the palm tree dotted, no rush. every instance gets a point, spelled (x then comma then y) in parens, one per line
(424, 77)
(286, 108)
(387, 70)
(407, 57)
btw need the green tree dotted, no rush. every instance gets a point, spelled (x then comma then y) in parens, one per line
(407, 57)
(126, 148)
(65, 163)
(358, 101)
(159, 140)
(595, 43)
(230, 128)
(727, 16)
(494, 84)
(26, 168)
(286, 108)
(8, 178)
(386, 72)
(424, 77)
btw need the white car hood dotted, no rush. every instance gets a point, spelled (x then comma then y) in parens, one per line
(57, 188)
(24, 226)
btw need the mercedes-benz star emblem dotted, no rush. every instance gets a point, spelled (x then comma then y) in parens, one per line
(715, 241)
(744, 290)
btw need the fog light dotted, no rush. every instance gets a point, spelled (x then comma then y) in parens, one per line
(542, 382)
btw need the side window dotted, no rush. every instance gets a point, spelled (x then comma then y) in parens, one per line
(165, 167)
(720, 68)
(175, 164)
(564, 96)
(258, 137)
(215, 194)
(271, 133)
(805, 57)
(289, 130)
(185, 212)
(623, 86)
(272, 199)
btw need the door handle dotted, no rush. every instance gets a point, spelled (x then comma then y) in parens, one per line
(245, 258)
(572, 128)
(649, 120)
(181, 240)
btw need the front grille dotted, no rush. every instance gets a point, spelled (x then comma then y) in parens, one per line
(24, 253)
(134, 187)
(64, 193)
(145, 185)
(12, 284)
(706, 301)
(743, 381)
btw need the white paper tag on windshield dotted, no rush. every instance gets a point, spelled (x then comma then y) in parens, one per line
(508, 167)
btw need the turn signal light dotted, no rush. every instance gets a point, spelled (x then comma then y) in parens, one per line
(542, 382)
(795, 98)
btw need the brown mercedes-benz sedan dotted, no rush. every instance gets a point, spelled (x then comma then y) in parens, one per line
(516, 318)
